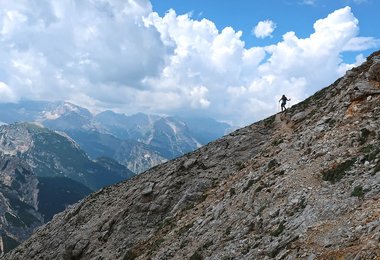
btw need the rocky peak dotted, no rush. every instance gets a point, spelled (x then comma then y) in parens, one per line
(304, 184)
(15, 139)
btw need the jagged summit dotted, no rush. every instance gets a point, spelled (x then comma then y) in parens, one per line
(304, 184)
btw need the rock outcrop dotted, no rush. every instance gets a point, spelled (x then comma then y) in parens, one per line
(304, 184)
(18, 202)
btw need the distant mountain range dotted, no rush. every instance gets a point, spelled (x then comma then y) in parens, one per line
(138, 141)
(41, 173)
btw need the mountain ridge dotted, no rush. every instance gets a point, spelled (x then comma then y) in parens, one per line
(158, 138)
(53, 154)
(41, 173)
(300, 184)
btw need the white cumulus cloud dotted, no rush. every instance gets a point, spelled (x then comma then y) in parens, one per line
(361, 44)
(264, 29)
(63, 49)
(121, 55)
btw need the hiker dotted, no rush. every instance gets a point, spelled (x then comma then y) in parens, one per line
(283, 100)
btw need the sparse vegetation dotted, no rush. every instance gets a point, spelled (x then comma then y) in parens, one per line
(370, 150)
(312, 113)
(249, 185)
(13, 220)
(277, 142)
(259, 188)
(130, 255)
(272, 164)
(331, 122)
(320, 95)
(246, 250)
(157, 243)
(308, 151)
(228, 230)
(196, 256)
(279, 173)
(371, 153)
(299, 207)
(240, 165)
(185, 228)
(358, 192)
(279, 229)
(337, 172)
(9, 243)
(302, 203)
(268, 122)
(208, 244)
(364, 134)
(261, 209)
(190, 205)
(27, 217)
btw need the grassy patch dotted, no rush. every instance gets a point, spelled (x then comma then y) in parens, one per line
(370, 149)
(337, 172)
(240, 165)
(358, 192)
(371, 152)
(364, 134)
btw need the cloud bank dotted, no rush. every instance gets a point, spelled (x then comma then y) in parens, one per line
(121, 55)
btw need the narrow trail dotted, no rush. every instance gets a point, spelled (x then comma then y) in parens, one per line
(283, 122)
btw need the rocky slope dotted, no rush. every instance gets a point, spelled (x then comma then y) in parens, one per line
(300, 185)
(41, 173)
(18, 202)
(53, 154)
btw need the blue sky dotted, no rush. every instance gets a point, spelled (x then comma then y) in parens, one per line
(289, 15)
(230, 60)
